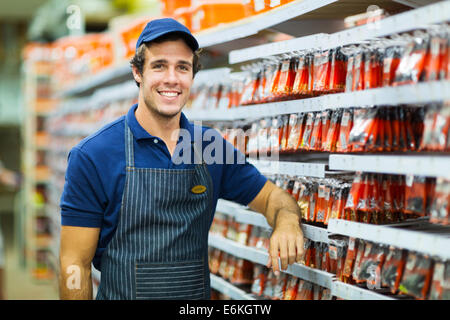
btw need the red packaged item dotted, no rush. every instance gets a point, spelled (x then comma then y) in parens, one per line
(326, 122)
(304, 198)
(350, 53)
(345, 127)
(415, 195)
(316, 134)
(393, 267)
(321, 72)
(304, 290)
(230, 267)
(391, 60)
(432, 67)
(337, 248)
(291, 288)
(223, 265)
(440, 285)
(326, 294)
(325, 264)
(307, 257)
(354, 196)
(338, 71)
(259, 279)
(270, 73)
(359, 256)
(358, 70)
(300, 86)
(412, 62)
(312, 209)
(321, 202)
(285, 132)
(441, 129)
(340, 199)
(276, 134)
(333, 131)
(364, 120)
(243, 233)
(287, 78)
(272, 88)
(296, 131)
(417, 276)
(243, 272)
(372, 68)
(254, 236)
(216, 261)
(350, 257)
(263, 137)
(307, 132)
(429, 125)
(371, 265)
(280, 286)
(440, 209)
(250, 87)
(317, 292)
(269, 285)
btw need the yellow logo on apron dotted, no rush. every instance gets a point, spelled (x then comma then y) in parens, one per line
(198, 189)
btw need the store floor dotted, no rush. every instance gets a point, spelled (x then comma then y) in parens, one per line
(19, 284)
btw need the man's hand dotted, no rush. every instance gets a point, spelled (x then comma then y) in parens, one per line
(286, 242)
(283, 215)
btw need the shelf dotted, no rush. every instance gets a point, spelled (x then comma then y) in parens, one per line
(243, 215)
(352, 292)
(252, 25)
(290, 168)
(107, 77)
(422, 165)
(408, 94)
(319, 277)
(434, 242)
(228, 289)
(418, 18)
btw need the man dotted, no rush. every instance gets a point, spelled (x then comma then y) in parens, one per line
(143, 219)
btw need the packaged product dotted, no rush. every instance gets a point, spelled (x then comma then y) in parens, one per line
(440, 285)
(291, 288)
(417, 276)
(393, 267)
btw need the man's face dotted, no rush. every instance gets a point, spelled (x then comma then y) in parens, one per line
(167, 77)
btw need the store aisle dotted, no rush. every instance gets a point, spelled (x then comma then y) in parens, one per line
(19, 284)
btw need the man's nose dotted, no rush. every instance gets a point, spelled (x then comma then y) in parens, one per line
(171, 76)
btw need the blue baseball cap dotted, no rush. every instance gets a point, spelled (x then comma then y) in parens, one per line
(159, 27)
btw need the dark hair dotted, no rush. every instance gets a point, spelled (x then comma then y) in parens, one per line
(139, 58)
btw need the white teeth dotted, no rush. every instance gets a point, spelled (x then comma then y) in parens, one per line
(169, 94)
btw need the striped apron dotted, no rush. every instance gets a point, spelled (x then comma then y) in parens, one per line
(160, 247)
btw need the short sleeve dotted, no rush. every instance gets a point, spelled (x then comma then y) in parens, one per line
(83, 199)
(241, 181)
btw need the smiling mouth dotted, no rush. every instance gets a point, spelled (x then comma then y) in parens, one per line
(169, 94)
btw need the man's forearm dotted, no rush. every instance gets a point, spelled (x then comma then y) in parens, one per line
(75, 282)
(281, 208)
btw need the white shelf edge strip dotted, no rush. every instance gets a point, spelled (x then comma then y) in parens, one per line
(290, 168)
(431, 244)
(407, 94)
(434, 166)
(253, 25)
(243, 215)
(229, 289)
(350, 292)
(319, 277)
(417, 18)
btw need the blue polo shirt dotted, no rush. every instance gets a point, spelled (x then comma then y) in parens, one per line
(95, 175)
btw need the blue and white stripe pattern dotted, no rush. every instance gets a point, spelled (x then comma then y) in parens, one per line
(159, 249)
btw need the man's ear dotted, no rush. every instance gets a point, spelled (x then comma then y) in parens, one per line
(136, 74)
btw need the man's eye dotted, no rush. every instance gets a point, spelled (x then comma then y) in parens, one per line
(157, 66)
(184, 68)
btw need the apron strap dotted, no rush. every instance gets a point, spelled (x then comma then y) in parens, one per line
(129, 146)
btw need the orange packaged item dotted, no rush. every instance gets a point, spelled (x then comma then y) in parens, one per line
(431, 69)
(321, 202)
(223, 265)
(358, 71)
(391, 60)
(333, 131)
(303, 199)
(372, 69)
(345, 127)
(168, 7)
(268, 74)
(259, 279)
(280, 286)
(210, 13)
(216, 261)
(291, 288)
(276, 135)
(321, 72)
(417, 276)
(269, 285)
(440, 209)
(326, 121)
(440, 285)
(300, 86)
(350, 257)
(243, 272)
(363, 125)
(412, 62)
(312, 208)
(359, 256)
(307, 131)
(250, 93)
(371, 264)
(286, 81)
(441, 129)
(393, 267)
(305, 290)
(349, 75)
(316, 134)
(243, 233)
(338, 71)
(263, 137)
(325, 264)
(285, 132)
(296, 128)
(354, 196)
